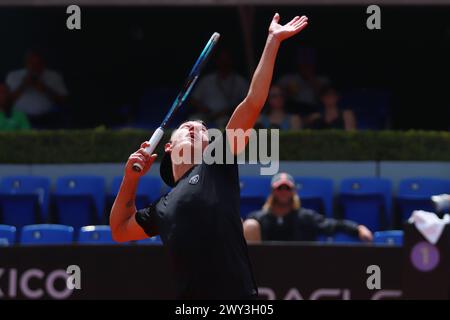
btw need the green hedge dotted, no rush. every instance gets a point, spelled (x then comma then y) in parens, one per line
(97, 146)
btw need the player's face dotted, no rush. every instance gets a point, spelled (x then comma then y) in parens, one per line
(283, 194)
(191, 134)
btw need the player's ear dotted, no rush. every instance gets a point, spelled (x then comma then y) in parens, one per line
(168, 147)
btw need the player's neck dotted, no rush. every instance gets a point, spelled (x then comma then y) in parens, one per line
(180, 169)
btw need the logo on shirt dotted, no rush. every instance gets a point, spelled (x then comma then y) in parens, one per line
(194, 179)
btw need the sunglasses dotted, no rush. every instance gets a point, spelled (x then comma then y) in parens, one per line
(284, 187)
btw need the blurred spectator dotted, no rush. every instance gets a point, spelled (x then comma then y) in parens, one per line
(332, 117)
(276, 116)
(37, 91)
(303, 86)
(217, 93)
(10, 120)
(283, 219)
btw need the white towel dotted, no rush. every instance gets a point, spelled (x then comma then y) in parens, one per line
(429, 224)
(441, 201)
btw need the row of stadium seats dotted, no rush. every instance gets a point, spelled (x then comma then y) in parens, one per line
(387, 237)
(80, 200)
(46, 234)
(50, 234)
(76, 200)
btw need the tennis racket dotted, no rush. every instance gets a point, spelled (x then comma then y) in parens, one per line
(182, 95)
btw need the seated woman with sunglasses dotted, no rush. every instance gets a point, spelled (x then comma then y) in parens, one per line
(283, 219)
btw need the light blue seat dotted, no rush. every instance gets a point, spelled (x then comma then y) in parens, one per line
(254, 192)
(8, 234)
(316, 193)
(367, 200)
(149, 190)
(24, 200)
(390, 237)
(100, 234)
(415, 194)
(156, 240)
(338, 238)
(80, 200)
(44, 234)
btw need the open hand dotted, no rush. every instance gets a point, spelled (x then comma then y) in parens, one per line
(282, 32)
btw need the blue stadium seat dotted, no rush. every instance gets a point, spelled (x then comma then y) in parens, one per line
(149, 189)
(8, 234)
(43, 234)
(316, 193)
(95, 235)
(391, 237)
(345, 238)
(415, 194)
(24, 200)
(338, 238)
(254, 192)
(367, 201)
(156, 240)
(79, 200)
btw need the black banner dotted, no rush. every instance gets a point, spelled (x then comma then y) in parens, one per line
(282, 271)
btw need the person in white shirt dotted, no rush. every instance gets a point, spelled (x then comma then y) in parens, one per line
(36, 90)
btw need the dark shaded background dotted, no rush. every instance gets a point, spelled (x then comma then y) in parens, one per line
(120, 52)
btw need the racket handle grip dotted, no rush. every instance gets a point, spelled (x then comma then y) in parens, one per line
(154, 141)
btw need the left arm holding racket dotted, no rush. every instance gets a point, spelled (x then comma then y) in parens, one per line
(246, 113)
(122, 221)
(182, 96)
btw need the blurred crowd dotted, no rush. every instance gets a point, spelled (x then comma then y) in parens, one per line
(298, 100)
(32, 96)
(35, 96)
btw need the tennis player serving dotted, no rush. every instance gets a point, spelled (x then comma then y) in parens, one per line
(198, 220)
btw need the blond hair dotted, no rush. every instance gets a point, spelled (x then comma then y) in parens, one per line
(295, 203)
